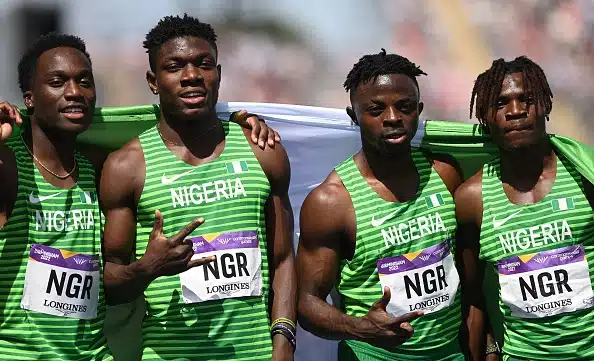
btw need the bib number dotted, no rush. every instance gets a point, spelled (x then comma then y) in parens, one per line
(546, 283)
(426, 280)
(61, 283)
(236, 271)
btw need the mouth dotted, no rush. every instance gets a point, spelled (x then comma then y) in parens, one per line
(74, 112)
(193, 97)
(519, 128)
(395, 137)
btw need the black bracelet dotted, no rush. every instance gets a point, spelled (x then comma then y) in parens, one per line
(285, 326)
(285, 331)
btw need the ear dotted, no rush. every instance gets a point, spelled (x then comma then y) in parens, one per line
(151, 79)
(352, 115)
(421, 107)
(29, 100)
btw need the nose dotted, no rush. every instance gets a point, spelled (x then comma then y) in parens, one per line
(190, 73)
(72, 90)
(392, 117)
(516, 110)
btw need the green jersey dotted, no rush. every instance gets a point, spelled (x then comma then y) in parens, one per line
(217, 311)
(51, 299)
(408, 247)
(541, 255)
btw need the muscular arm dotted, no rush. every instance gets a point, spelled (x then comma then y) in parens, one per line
(322, 228)
(279, 224)
(121, 184)
(469, 210)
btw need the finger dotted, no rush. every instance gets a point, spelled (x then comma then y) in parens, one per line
(409, 317)
(253, 122)
(189, 228)
(405, 326)
(201, 261)
(382, 303)
(158, 224)
(263, 134)
(19, 117)
(271, 137)
(5, 131)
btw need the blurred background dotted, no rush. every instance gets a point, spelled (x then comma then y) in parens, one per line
(299, 52)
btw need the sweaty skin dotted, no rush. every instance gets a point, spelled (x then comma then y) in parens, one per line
(387, 111)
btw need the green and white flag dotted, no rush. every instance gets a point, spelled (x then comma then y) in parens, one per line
(87, 197)
(562, 204)
(239, 166)
(434, 200)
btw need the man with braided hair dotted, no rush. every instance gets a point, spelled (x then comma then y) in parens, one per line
(379, 229)
(526, 220)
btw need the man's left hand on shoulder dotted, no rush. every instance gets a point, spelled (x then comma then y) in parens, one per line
(262, 134)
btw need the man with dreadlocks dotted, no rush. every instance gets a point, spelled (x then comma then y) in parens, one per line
(207, 289)
(526, 220)
(379, 229)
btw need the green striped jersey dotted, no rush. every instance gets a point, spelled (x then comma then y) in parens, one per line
(51, 238)
(218, 311)
(408, 247)
(541, 255)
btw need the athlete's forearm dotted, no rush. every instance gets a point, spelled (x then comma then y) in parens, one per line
(475, 322)
(326, 321)
(284, 303)
(125, 283)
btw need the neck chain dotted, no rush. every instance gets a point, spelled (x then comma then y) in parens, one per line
(181, 144)
(46, 168)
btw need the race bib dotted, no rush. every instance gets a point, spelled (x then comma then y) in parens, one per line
(61, 283)
(236, 271)
(425, 280)
(546, 283)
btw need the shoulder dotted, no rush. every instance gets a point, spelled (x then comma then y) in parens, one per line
(469, 199)
(274, 162)
(325, 209)
(123, 171)
(448, 169)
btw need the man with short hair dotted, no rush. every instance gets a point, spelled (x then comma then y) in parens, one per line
(380, 230)
(207, 289)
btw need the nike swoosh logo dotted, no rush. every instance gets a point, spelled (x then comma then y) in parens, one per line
(34, 199)
(497, 224)
(166, 180)
(378, 222)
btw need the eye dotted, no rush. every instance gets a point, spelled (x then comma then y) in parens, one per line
(87, 83)
(207, 64)
(173, 67)
(56, 83)
(375, 111)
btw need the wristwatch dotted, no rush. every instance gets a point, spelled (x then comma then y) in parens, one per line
(493, 349)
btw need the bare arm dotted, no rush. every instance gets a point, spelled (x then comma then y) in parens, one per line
(120, 187)
(469, 211)
(279, 224)
(322, 245)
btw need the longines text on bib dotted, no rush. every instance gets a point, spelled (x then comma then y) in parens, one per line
(425, 280)
(236, 271)
(546, 283)
(61, 283)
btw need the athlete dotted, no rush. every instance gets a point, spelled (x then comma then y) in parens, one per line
(380, 229)
(51, 301)
(526, 219)
(207, 289)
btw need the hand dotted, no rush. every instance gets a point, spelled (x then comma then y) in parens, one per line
(380, 329)
(261, 133)
(170, 256)
(9, 115)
